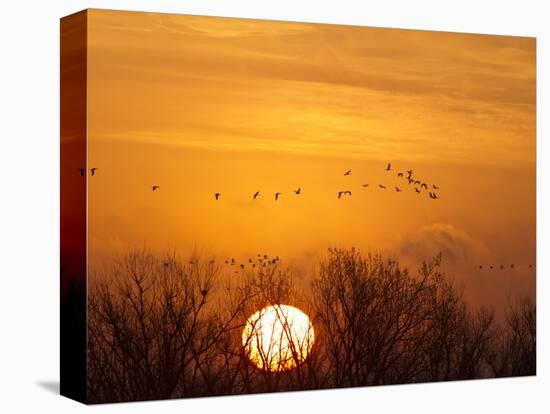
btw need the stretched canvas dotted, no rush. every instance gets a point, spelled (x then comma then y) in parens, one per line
(255, 206)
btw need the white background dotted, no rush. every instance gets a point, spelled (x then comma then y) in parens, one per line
(29, 204)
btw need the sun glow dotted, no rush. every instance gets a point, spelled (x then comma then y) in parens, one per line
(278, 338)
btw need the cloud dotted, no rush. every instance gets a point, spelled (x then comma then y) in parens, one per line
(456, 246)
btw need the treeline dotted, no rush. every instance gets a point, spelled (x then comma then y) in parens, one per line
(162, 328)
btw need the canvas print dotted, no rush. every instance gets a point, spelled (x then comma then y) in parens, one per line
(259, 206)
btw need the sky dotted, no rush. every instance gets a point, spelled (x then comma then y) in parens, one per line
(199, 105)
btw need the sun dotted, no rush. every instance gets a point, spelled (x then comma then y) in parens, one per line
(278, 338)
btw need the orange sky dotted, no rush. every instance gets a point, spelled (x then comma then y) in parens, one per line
(200, 105)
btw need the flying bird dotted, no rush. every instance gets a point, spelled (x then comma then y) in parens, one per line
(348, 172)
(277, 196)
(388, 168)
(501, 267)
(382, 186)
(491, 267)
(512, 266)
(417, 182)
(424, 185)
(434, 196)
(410, 172)
(398, 189)
(417, 190)
(242, 266)
(365, 185)
(93, 170)
(435, 187)
(400, 174)
(481, 267)
(256, 194)
(341, 193)
(411, 181)
(82, 171)
(217, 195)
(155, 187)
(298, 191)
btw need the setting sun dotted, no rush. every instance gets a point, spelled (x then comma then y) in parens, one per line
(278, 338)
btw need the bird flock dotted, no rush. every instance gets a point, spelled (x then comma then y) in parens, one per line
(501, 267)
(408, 177)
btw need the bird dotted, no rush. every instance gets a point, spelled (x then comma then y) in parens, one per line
(298, 191)
(277, 196)
(340, 194)
(491, 267)
(382, 186)
(155, 187)
(82, 171)
(417, 190)
(434, 196)
(480, 266)
(397, 189)
(232, 261)
(253, 264)
(411, 181)
(242, 266)
(530, 266)
(501, 267)
(417, 182)
(217, 195)
(400, 174)
(512, 266)
(277, 258)
(256, 194)
(365, 185)
(93, 170)
(424, 185)
(388, 168)
(410, 172)
(265, 256)
(212, 261)
(435, 187)
(347, 192)
(227, 262)
(348, 172)
(249, 260)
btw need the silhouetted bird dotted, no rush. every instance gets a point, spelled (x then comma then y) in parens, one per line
(242, 266)
(212, 261)
(501, 267)
(277, 258)
(298, 191)
(382, 186)
(365, 185)
(435, 187)
(253, 264)
(340, 194)
(388, 168)
(410, 172)
(227, 262)
(265, 256)
(217, 195)
(277, 196)
(82, 171)
(434, 196)
(232, 261)
(397, 189)
(417, 182)
(93, 170)
(249, 260)
(411, 181)
(256, 194)
(481, 267)
(273, 261)
(400, 174)
(417, 190)
(347, 192)
(155, 187)
(348, 172)
(424, 185)
(512, 266)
